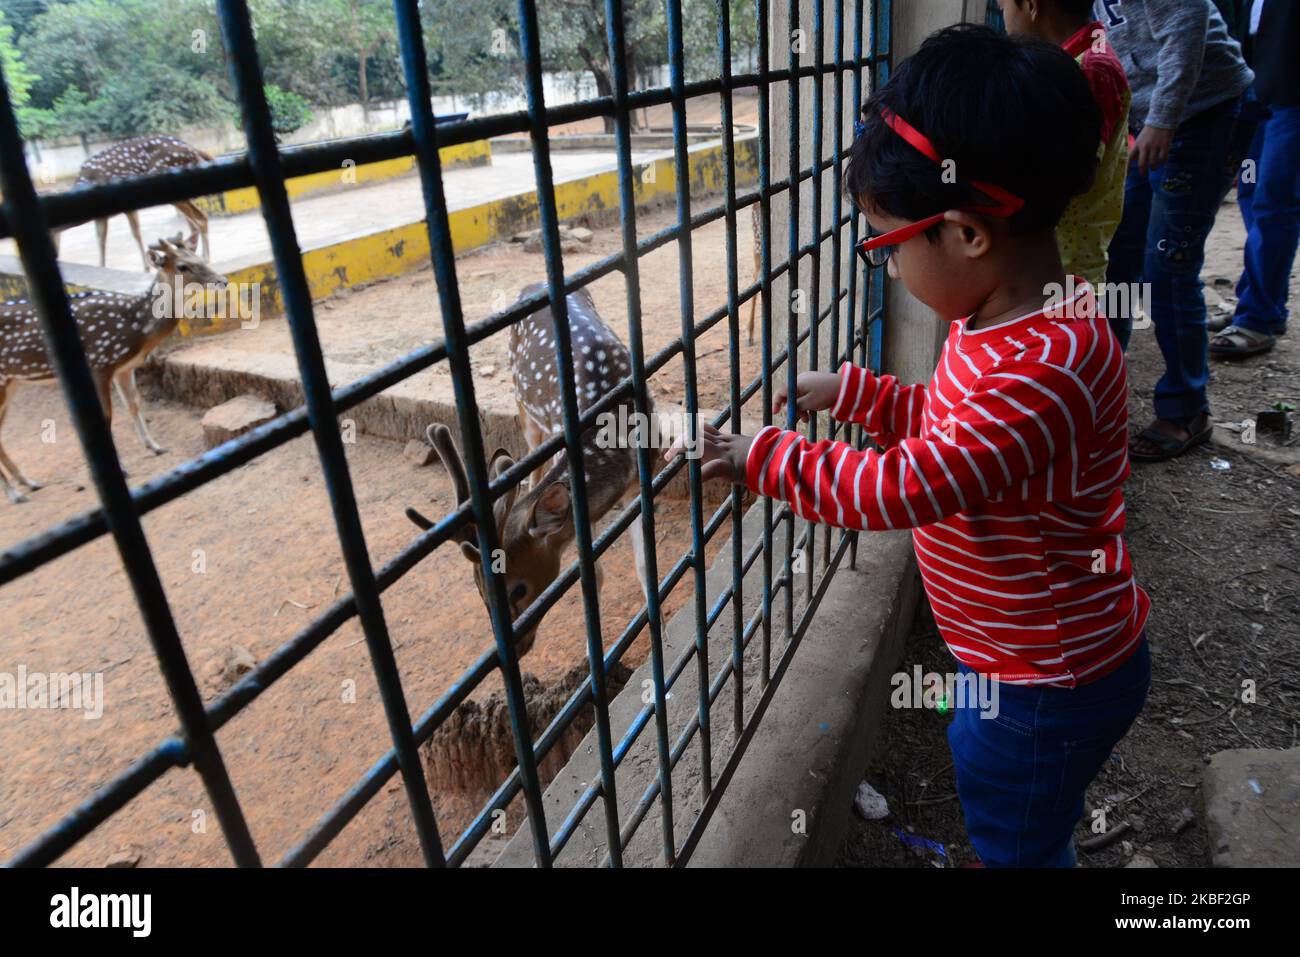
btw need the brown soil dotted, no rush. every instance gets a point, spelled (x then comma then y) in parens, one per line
(272, 563)
(1217, 552)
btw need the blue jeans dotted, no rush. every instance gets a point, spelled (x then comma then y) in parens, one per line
(1022, 774)
(1270, 207)
(1168, 214)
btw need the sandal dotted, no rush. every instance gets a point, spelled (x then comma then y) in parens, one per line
(1234, 342)
(1167, 446)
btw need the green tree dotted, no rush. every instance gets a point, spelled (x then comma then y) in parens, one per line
(289, 111)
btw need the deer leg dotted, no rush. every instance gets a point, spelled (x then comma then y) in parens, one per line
(637, 539)
(15, 474)
(124, 380)
(134, 219)
(101, 233)
(753, 303)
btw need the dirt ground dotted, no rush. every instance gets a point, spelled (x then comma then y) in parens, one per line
(271, 564)
(1218, 550)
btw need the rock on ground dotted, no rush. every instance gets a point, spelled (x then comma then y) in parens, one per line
(232, 419)
(1252, 808)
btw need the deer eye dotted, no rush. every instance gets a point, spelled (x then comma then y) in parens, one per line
(181, 267)
(517, 594)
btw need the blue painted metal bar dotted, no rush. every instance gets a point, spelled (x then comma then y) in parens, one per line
(531, 44)
(873, 304)
(765, 266)
(263, 158)
(615, 36)
(796, 292)
(686, 300)
(814, 300)
(424, 130)
(63, 345)
(733, 361)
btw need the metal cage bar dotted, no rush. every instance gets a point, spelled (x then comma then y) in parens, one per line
(26, 218)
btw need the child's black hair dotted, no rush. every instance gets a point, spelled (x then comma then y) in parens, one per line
(1081, 9)
(1015, 113)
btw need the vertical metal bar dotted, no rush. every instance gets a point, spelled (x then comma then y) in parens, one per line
(572, 433)
(686, 292)
(792, 316)
(614, 28)
(837, 210)
(423, 130)
(814, 308)
(873, 304)
(63, 344)
(733, 357)
(854, 268)
(765, 224)
(264, 160)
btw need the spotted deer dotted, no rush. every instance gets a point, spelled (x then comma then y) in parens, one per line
(535, 524)
(757, 227)
(117, 330)
(140, 156)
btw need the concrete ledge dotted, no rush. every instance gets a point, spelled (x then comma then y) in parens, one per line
(236, 201)
(807, 757)
(808, 752)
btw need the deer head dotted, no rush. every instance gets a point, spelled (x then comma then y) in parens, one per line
(532, 528)
(178, 257)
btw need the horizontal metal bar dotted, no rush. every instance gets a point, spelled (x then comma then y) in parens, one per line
(84, 203)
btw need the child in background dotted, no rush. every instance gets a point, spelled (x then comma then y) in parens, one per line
(1009, 467)
(1091, 219)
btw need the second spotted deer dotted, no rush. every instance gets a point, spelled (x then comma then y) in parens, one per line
(535, 523)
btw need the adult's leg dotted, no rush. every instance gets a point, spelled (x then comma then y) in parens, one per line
(1185, 199)
(1128, 248)
(1274, 227)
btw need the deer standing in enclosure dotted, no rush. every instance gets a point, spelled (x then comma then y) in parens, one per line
(141, 156)
(535, 524)
(117, 330)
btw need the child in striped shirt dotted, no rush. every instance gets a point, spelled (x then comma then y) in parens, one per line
(1009, 466)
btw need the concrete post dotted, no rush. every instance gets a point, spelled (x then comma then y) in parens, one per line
(912, 334)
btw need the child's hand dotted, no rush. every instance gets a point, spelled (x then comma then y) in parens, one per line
(817, 392)
(722, 454)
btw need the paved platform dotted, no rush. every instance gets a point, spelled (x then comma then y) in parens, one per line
(365, 208)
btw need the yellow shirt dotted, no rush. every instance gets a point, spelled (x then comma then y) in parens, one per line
(1089, 222)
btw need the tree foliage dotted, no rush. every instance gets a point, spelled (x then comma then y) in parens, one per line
(126, 67)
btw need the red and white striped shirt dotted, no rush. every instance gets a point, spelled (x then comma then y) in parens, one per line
(1009, 468)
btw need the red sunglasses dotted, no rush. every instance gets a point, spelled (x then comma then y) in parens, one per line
(876, 250)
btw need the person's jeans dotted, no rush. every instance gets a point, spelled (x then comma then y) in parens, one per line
(1022, 775)
(1160, 242)
(1270, 206)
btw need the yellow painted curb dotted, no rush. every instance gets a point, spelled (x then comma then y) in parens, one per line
(231, 202)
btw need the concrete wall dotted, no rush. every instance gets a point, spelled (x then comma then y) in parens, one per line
(912, 334)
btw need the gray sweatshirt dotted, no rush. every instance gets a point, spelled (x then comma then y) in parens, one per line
(1179, 57)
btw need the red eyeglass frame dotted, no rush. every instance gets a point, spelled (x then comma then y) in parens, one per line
(1007, 203)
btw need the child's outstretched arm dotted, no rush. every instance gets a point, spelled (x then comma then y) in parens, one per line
(886, 410)
(1015, 423)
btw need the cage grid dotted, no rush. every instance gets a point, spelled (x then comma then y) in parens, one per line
(27, 218)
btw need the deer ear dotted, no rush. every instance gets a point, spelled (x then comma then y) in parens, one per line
(157, 257)
(551, 511)
(471, 552)
(192, 243)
